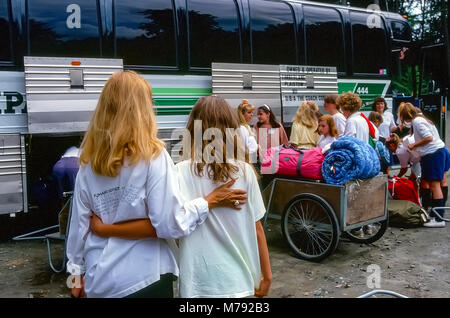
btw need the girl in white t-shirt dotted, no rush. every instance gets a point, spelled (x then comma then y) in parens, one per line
(327, 131)
(227, 255)
(245, 112)
(126, 174)
(435, 158)
(388, 123)
(405, 156)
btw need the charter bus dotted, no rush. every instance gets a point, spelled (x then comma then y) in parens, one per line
(173, 43)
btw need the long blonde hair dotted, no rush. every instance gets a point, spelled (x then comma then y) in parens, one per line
(123, 125)
(306, 114)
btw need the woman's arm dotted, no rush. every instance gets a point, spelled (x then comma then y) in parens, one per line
(265, 262)
(402, 172)
(132, 230)
(143, 228)
(421, 142)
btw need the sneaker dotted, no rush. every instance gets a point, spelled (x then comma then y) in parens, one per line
(358, 232)
(434, 223)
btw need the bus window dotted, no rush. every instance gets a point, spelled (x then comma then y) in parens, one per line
(273, 33)
(324, 37)
(63, 28)
(145, 32)
(400, 31)
(5, 31)
(213, 32)
(370, 53)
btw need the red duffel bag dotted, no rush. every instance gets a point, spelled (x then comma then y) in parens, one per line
(292, 162)
(403, 189)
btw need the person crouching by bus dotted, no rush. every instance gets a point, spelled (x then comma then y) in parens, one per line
(435, 158)
(126, 174)
(304, 126)
(269, 132)
(245, 114)
(65, 172)
(329, 104)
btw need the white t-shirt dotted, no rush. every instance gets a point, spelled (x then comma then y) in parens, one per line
(340, 121)
(387, 125)
(423, 129)
(117, 267)
(406, 156)
(220, 258)
(357, 127)
(324, 141)
(249, 142)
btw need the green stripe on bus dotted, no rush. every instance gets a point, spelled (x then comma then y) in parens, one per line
(182, 91)
(173, 111)
(175, 101)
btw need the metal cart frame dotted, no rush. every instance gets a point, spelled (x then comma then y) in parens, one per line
(342, 209)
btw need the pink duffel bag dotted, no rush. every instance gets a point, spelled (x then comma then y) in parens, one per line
(292, 162)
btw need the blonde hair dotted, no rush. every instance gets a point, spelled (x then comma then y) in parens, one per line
(244, 107)
(215, 112)
(123, 125)
(408, 111)
(331, 124)
(393, 139)
(307, 115)
(349, 101)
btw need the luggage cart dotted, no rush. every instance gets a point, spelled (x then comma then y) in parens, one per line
(314, 214)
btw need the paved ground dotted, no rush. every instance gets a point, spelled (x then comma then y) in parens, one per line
(413, 262)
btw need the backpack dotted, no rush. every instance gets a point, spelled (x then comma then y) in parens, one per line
(406, 214)
(293, 162)
(403, 189)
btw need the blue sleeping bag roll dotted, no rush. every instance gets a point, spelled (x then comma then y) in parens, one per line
(350, 159)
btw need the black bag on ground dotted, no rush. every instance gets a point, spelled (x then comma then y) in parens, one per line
(405, 214)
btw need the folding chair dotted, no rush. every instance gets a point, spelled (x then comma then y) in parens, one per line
(60, 235)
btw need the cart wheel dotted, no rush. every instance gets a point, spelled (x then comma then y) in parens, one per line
(378, 230)
(310, 227)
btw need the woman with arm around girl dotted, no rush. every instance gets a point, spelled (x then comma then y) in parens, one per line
(126, 174)
(227, 255)
(435, 158)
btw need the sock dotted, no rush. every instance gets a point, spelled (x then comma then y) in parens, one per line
(445, 193)
(425, 195)
(438, 203)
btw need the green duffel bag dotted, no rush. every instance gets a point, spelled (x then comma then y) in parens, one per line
(404, 213)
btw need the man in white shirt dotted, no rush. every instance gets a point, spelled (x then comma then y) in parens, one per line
(331, 107)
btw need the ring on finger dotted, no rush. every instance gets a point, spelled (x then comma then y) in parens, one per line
(236, 203)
